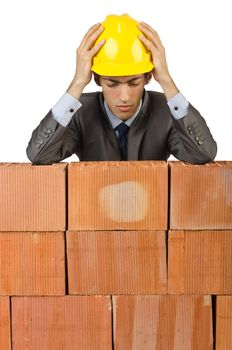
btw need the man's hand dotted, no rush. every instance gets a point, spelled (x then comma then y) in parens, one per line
(152, 42)
(84, 55)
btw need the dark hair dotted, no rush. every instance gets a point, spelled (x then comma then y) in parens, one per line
(96, 78)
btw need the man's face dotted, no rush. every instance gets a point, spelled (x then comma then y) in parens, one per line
(123, 94)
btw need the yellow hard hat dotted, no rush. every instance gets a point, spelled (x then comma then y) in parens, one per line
(123, 52)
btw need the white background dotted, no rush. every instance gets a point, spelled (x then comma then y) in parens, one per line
(38, 48)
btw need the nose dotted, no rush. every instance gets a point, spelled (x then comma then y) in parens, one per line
(124, 93)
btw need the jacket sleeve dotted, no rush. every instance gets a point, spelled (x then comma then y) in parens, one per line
(190, 139)
(51, 142)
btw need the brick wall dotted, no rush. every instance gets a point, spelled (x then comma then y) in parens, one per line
(116, 255)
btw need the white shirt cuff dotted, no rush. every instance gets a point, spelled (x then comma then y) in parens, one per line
(178, 106)
(64, 109)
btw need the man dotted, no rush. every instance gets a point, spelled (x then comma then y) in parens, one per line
(124, 121)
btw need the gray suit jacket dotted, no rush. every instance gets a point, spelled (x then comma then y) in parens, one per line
(153, 135)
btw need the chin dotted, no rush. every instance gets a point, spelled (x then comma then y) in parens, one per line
(124, 117)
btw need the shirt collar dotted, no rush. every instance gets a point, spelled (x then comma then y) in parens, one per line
(115, 121)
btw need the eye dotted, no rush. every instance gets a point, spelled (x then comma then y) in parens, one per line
(112, 85)
(133, 84)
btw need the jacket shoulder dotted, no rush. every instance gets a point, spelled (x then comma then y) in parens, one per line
(158, 103)
(157, 96)
(90, 97)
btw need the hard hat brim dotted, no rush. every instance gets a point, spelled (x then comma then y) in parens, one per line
(125, 69)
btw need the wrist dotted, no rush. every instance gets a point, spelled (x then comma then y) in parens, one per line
(169, 87)
(76, 88)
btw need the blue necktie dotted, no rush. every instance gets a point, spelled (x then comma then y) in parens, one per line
(122, 139)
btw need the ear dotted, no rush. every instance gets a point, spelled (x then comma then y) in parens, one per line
(148, 77)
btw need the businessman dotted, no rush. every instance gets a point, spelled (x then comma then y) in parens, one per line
(124, 121)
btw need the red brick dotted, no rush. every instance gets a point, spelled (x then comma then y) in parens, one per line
(5, 323)
(118, 195)
(116, 262)
(32, 198)
(199, 262)
(201, 196)
(57, 323)
(32, 263)
(224, 323)
(163, 322)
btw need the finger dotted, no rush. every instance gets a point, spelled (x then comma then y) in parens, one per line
(152, 35)
(96, 48)
(149, 45)
(150, 32)
(91, 40)
(144, 24)
(90, 32)
(91, 29)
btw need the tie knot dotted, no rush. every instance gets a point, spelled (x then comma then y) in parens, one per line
(122, 129)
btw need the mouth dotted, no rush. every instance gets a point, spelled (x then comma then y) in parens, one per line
(124, 108)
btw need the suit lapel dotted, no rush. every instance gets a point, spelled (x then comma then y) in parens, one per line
(108, 131)
(138, 129)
